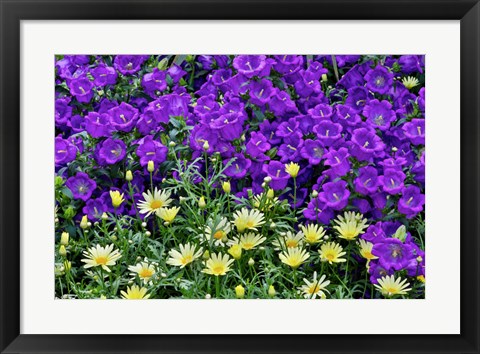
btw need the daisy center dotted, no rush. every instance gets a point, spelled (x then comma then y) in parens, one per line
(101, 260)
(156, 204)
(186, 259)
(145, 273)
(219, 235)
(291, 243)
(218, 269)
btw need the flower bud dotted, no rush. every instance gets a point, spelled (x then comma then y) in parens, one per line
(201, 203)
(69, 213)
(163, 275)
(264, 185)
(324, 77)
(206, 145)
(267, 179)
(150, 166)
(89, 224)
(270, 194)
(62, 251)
(271, 291)
(394, 149)
(251, 262)
(104, 216)
(113, 238)
(172, 144)
(144, 224)
(64, 238)
(84, 222)
(419, 259)
(128, 176)
(235, 251)
(148, 233)
(206, 255)
(130, 242)
(226, 186)
(67, 265)
(273, 226)
(315, 194)
(208, 296)
(58, 181)
(240, 291)
(117, 198)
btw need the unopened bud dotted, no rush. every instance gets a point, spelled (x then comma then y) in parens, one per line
(172, 144)
(270, 194)
(62, 251)
(206, 145)
(84, 222)
(226, 186)
(315, 194)
(240, 291)
(64, 238)
(150, 166)
(271, 291)
(128, 176)
(201, 203)
(251, 262)
(206, 255)
(235, 251)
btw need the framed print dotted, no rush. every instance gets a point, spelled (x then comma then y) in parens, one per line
(257, 177)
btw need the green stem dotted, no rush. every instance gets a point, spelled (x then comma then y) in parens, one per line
(217, 286)
(295, 194)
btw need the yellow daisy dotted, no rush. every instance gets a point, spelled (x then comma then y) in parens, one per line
(389, 286)
(331, 252)
(117, 198)
(135, 293)
(186, 255)
(292, 169)
(144, 271)
(168, 214)
(152, 203)
(289, 240)
(268, 203)
(350, 225)
(248, 219)
(218, 264)
(249, 241)
(294, 257)
(218, 231)
(366, 250)
(313, 233)
(410, 82)
(315, 288)
(101, 256)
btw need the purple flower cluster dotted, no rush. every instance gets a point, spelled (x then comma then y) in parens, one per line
(357, 131)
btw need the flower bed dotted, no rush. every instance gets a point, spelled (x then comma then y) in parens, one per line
(240, 176)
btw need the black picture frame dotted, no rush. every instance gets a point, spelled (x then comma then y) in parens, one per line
(14, 11)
